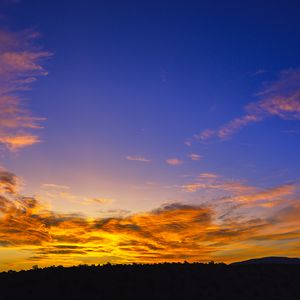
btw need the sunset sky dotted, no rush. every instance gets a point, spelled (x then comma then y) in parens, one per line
(148, 131)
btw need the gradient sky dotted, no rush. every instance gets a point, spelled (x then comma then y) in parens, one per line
(145, 131)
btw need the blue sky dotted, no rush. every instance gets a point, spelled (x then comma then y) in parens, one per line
(139, 79)
(135, 87)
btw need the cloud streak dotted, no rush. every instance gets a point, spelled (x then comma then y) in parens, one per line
(53, 191)
(174, 161)
(240, 193)
(194, 156)
(280, 98)
(138, 158)
(20, 65)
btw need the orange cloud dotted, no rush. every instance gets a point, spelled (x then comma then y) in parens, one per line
(207, 181)
(232, 187)
(19, 141)
(239, 193)
(173, 232)
(20, 65)
(270, 194)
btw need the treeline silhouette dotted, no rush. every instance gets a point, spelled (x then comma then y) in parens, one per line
(154, 281)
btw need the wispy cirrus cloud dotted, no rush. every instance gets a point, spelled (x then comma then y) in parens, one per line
(89, 200)
(202, 136)
(208, 176)
(238, 192)
(174, 161)
(20, 65)
(55, 186)
(280, 98)
(172, 232)
(54, 191)
(194, 156)
(138, 158)
(233, 187)
(266, 195)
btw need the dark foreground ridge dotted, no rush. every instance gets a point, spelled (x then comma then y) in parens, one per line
(270, 260)
(155, 282)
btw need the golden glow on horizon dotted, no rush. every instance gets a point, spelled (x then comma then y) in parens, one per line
(174, 232)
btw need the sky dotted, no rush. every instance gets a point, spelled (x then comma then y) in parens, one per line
(148, 131)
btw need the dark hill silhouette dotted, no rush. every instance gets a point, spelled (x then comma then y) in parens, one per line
(156, 282)
(270, 260)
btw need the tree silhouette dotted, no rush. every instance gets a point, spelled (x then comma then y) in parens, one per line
(158, 281)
